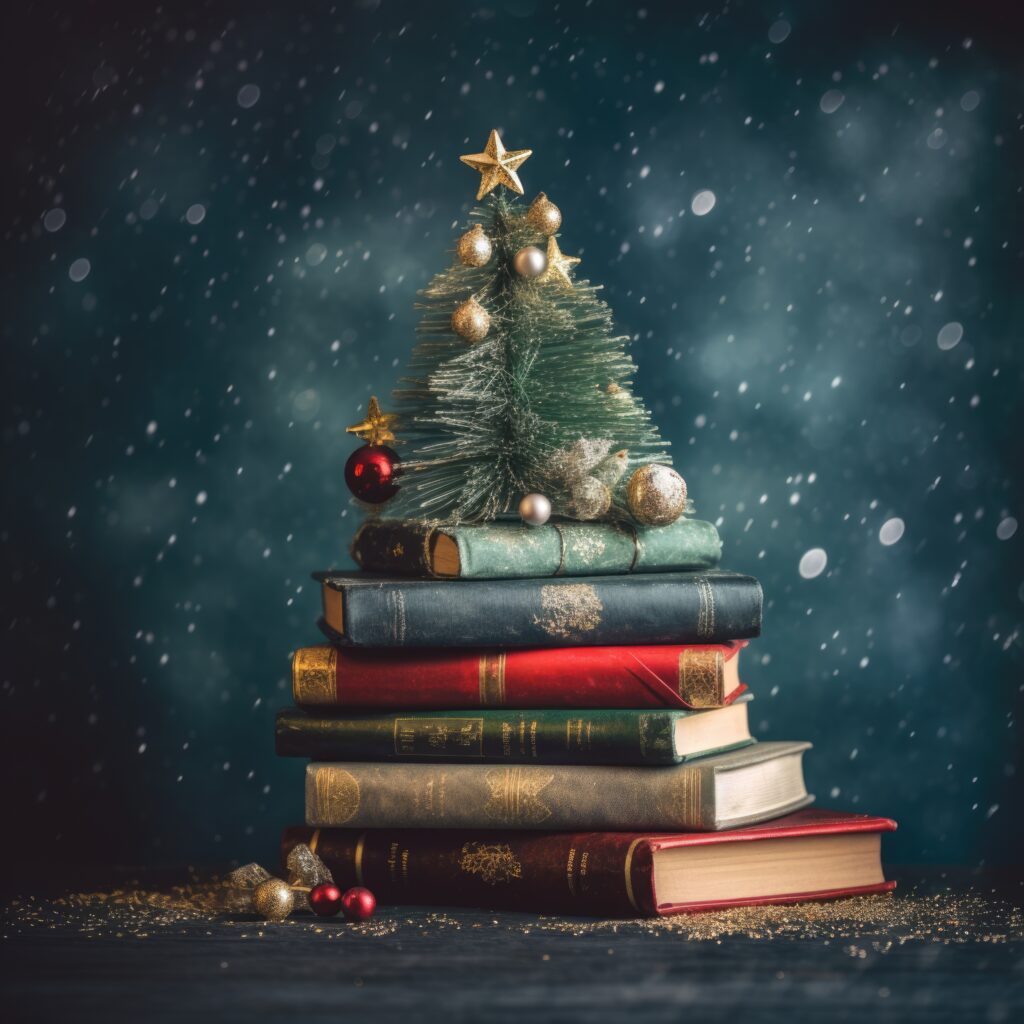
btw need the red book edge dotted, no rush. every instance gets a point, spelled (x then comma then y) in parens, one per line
(811, 821)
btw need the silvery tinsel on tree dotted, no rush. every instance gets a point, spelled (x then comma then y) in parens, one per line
(542, 402)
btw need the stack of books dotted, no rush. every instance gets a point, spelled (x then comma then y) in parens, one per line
(551, 719)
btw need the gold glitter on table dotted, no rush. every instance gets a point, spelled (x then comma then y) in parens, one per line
(884, 920)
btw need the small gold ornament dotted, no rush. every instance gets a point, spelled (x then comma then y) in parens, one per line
(474, 248)
(544, 216)
(558, 265)
(591, 499)
(535, 509)
(529, 262)
(497, 165)
(273, 899)
(470, 321)
(656, 495)
(376, 428)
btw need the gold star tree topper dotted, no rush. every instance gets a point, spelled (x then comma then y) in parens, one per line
(376, 428)
(558, 266)
(497, 165)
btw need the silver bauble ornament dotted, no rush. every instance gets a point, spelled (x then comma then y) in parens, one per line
(591, 499)
(470, 321)
(535, 509)
(530, 262)
(544, 216)
(273, 899)
(474, 248)
(656, 495)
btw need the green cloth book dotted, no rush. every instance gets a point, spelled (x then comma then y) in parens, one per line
(512, 736)
(507, 550)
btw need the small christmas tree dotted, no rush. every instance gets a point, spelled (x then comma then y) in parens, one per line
(519, 393)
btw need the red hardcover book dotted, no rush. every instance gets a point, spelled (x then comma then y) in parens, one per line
(810, 855)
(661, 675)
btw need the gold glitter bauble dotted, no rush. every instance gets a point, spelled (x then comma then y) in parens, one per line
(474, 248)
(470, 320)
(591, 499)
(273, 899)
(544, 216)
(656, 495)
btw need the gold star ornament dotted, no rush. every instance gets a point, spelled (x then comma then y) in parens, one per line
(376, 428)
(558, 265)
(497, 165)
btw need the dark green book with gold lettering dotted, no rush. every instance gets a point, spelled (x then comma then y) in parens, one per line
(706, 607)
(510, 736)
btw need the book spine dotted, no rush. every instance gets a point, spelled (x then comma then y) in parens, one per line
(681, 608)
(556, 797)
(399, 547)
(594, 874)
(511, 737)
(671, 676)
(511, 551)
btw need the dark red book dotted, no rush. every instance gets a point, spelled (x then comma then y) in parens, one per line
(657, 676)
(810, 855)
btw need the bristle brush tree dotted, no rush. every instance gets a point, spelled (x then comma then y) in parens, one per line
(519, 395)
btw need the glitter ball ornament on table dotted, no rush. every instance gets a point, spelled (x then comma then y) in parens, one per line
(325, 900)
(530, 262)
(535, 509)
(474, 248)
(656, 495)
(470, 321)
(273, 899)
(358, 904)
(544, 216)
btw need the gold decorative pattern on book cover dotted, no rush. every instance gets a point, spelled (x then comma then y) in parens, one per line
(492, 680)
(315, 675)
(493, 863)
(700, 677)
(337, 794)
(569, 610)
(515, 796)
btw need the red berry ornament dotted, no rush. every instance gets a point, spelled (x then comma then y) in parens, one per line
(325, 899)
(370, 473)
(358, 904)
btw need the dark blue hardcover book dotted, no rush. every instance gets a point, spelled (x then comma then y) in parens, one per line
(708, 607)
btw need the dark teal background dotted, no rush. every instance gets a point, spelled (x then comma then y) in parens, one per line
(173, 423)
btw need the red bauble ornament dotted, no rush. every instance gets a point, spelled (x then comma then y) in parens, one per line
(325, 899)
(370, 473)
(358, 904)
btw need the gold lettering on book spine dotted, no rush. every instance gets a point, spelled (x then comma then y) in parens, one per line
(700, 677)
(337, 795)
(315, 675)
(492, 680)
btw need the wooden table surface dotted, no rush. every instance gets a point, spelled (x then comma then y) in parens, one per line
(943, 948)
